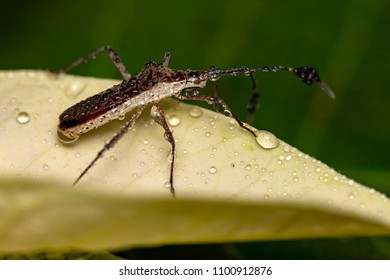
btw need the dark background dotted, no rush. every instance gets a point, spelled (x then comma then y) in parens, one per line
(347, 41)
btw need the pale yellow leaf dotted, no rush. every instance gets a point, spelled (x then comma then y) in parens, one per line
(228, 187)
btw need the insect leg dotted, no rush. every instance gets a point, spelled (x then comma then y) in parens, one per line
(253, 102)
(216, 88)
(113, 56)
(159, 117)
(215, 101)
(113, 140)
(166, 58)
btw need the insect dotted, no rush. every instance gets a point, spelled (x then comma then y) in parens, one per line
(154, 83)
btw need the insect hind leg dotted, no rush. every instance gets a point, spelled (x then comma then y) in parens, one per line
(112, 54)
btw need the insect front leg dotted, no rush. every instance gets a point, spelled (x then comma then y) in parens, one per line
(216, 102)
(158, 116)
(113, 56)
(253, 102)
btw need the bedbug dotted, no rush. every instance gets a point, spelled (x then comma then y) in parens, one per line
(152, 84)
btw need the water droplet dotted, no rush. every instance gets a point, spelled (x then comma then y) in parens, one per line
(78, 154)
(295, 179)
(65, 139)
(287, 148)
(45, 166)
(169, 157)
(74, 89)
(227, 112)
(167, 185)
(351, 196)
(155, 114)
(248, 167)
(318, 169)
(266, 139)
(121, 117)
(212, 170)
(146, 141)
(195, 112)
(23, 117)
(174, 120)
(288, 157)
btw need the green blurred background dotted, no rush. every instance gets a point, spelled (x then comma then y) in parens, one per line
(347, 41)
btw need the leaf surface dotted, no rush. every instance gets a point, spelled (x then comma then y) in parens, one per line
(229, 185)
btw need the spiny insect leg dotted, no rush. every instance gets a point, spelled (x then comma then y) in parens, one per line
(253, 102)
(113, 140)
(113, 56)
(216, 87)
(159, 117)
(215, 101)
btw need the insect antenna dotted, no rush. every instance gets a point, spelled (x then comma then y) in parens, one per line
(306, 74)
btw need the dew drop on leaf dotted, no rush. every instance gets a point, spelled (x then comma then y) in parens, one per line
(212, 170)
(174, 120)
(266, 140)
(74, 89)
(195, 112)
(23, 117)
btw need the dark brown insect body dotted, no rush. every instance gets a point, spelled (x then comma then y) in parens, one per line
(154, 83)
